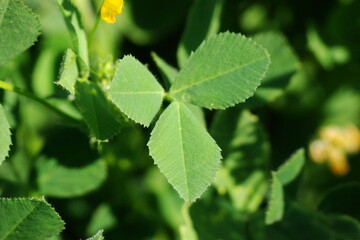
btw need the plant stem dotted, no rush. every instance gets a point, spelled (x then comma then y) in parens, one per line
(93, 30)
(9, 87)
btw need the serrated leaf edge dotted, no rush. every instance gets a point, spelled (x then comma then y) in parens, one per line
(42, 199)
(228, 33)
(212, 177)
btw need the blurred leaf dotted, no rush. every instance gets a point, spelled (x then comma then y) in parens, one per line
(67, 107)
(284, 64)
(169, 201)
(343, 199)
(43, 76)
(19, 29)
(254, 17)
(291, 169)
(203, 22)
(214, 219)
(246, 151)
(101, 115)
(276, 204)
(59, 181)
(342, 107)
(167, 71)
(183, 150)
(145, 21)
(312, 224)
(68, 72)
(5, 135)
(327, 56)
(28, 219)
(73, 22)
(223, 71)
(135, 91)
(102, 218)
(97, 236)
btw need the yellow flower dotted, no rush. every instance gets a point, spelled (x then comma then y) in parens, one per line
(333, 146)
(110, 9)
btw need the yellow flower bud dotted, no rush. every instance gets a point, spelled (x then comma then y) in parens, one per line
(110, 9)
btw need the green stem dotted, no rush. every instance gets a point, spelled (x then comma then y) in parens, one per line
(9, 87)
(93, 30)
(187, 230)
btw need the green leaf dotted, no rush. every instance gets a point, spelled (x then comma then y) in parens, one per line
(313, 225)
(101, 115)
(215, 218)
(58, 181)
(275, 208)
(246, 151)
(203, 22)
(78, 35)
(284, 64)
(135, 91)
(184, 151)
(42, 78)
(223, 71)
(97, 236)
(102, 218)
(5, 135)
(69, 72)
(291, 169)
(19, 29)
(167, 71)
(28, 219)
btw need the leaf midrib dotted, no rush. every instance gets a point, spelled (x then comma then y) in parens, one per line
(216, 75)
(182, 150)
(21, 221)
(126, 93)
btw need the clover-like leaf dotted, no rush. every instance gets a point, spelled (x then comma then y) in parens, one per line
(184, 151)
(223, 71)
(135, 91)
(19, 29)
(28, 219)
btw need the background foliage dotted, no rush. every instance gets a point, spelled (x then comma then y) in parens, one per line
(91, 161)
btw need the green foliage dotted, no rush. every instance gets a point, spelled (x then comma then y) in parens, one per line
(291, 169)
(97, 236)
(5, 135)
(283, 176)
(203, 22)
(28, 219)
(80, 146)
(246, 151)
(59, 181)
(223, 71)
(184, 151)
(68, 72)
(19, 29)
(275, 209)
(135, 91)
(101, 115)
(102, 218)
(78, 36)
(311, 223)
(284, 64)
(167, 71)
